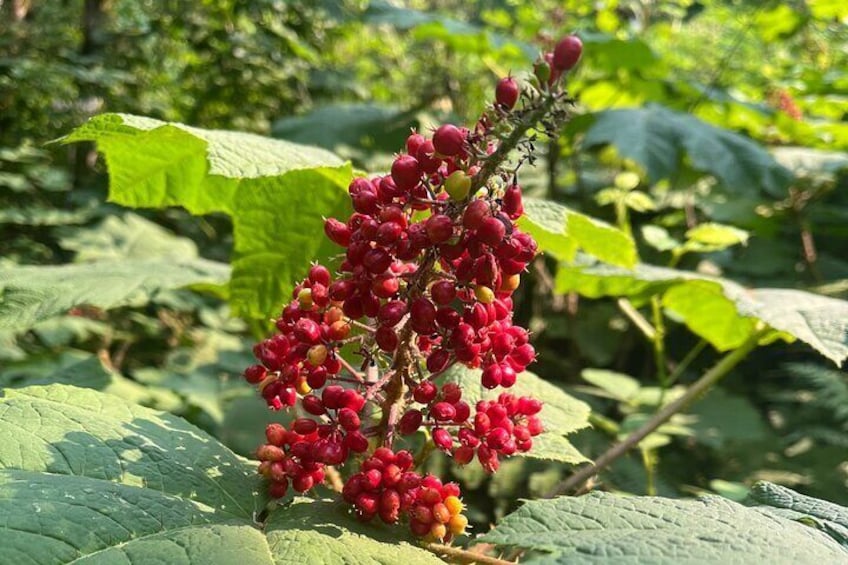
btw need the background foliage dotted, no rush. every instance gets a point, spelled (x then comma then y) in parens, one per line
(712, 134)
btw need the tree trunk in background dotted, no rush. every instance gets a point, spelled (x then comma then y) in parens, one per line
(92, 19)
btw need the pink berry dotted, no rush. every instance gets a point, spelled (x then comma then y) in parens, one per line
(448, 140)
(337, 232)
(424, 392)
(443, 292)
(413, 142)
(439, 228)
(406, 172)
(567, 52)
(506, 93)
(491, 231)
(410, 422)
(475, 213)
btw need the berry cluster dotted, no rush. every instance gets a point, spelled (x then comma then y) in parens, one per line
(501, 428)
(431, 258)
(385, 486)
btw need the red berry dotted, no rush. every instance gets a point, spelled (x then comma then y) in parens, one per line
(365, 202)
(348, 419)
(391, 313)
(307, 331)
(463, 455)
(508, 376)
(386, 338)
(352, 399)
(448, 140)
(254, 374)
(567, 52)
(356, 442)
(427, 159)
(491, 231)
(425, 392)
(423, 316)
(276, 434)
(337, 232)
(377, 260)
(385, 286)
(303, 483)
(410, 422)
(319, 274)
(475, 213)
(447, 318)
(438, 360)
(443, 292)
(524, 354)
(506, 93)
(512, 204)
(332, 396)
(278, 489)
(463, 412)
(413, 142)
(492, 376)
(313, 405)
(439, 228)
(406, 172)
(443, 411)
(442, 439)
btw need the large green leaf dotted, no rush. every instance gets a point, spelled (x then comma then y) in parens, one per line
(561, 232)
(126, 237)
(607, 528)
(325, 531)
(277, 193)
(826, 516)
(561, 413)
(84, 369)
(657, 138)
(86, 477)
(30, 294)
(719, 310)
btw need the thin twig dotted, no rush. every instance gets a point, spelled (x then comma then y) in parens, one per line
(356, 374)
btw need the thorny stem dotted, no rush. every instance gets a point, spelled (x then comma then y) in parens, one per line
(493, 161)
(465, 556)
(698, 388)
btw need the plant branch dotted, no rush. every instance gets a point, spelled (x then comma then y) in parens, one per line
(637, 318)
(465, 556)
(686, 361)
(698, 388)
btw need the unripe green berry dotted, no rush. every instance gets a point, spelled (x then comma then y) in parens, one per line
(458, 185)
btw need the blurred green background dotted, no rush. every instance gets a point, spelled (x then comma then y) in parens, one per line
(354, 77)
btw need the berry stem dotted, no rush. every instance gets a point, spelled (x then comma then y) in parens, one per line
(365, 327)
(356, 374)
